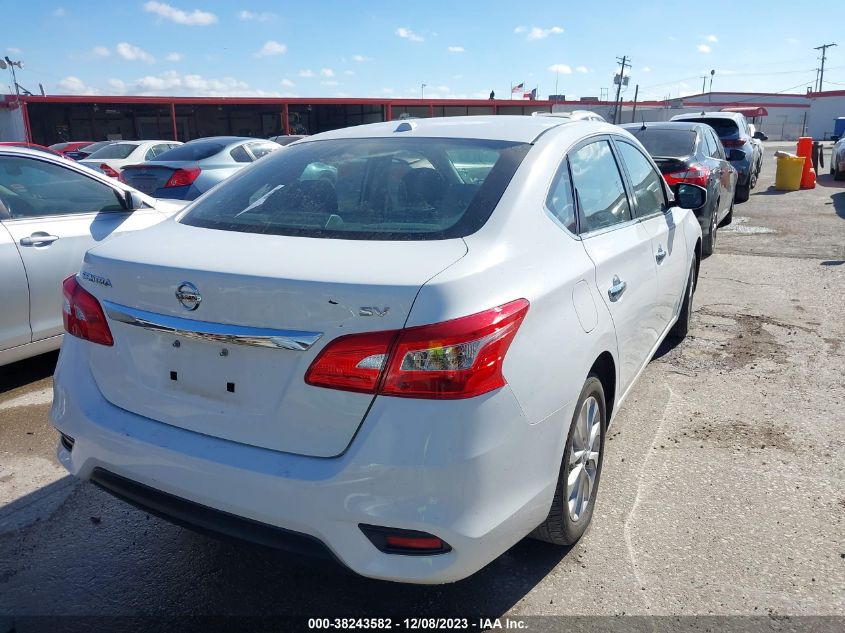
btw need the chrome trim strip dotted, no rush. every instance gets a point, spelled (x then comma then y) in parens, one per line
(216, 332)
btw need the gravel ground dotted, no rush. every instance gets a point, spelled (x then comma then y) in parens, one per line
(723, 491)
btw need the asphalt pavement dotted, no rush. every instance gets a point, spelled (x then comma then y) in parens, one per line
(723, 490)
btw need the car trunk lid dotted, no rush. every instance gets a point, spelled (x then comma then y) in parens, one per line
(242, 392)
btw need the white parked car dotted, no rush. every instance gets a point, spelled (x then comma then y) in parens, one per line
(112, 158)
(51, 212)
(354, 347)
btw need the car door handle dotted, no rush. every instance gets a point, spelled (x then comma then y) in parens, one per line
(38, 239)
(616, 290)
(660, 255)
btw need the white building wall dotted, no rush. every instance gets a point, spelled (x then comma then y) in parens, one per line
(824, 109)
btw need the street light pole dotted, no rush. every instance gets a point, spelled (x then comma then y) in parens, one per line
(422, 91)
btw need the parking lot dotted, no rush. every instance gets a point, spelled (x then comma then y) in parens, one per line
(723, 490)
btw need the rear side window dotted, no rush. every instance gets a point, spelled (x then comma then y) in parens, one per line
(366, 189)
(598, 186)
(645, 179)
(718, 149)
(115, 150)
(240, 155)
(262, 149)
(199, 150)
(560, 200)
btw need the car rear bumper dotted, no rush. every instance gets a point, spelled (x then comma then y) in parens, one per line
(471, 472)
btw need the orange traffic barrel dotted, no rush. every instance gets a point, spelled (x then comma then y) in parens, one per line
(805, 149)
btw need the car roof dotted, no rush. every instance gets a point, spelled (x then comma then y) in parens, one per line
(665, 125)
(226, 140)
(521, 129)
(735, 116)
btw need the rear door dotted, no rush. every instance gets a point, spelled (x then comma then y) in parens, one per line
(663, 224)
(14, 291)
(55, 215)
(723, 170)
(621, 249)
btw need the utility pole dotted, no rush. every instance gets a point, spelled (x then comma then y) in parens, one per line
(634, 112)
(422, 91)
(624, 63)
(823, 48)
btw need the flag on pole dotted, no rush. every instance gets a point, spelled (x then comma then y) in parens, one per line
(530, 95)
(518, 88)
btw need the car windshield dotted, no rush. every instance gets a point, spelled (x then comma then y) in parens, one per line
(725, 128)
(115, 150)
(366, 189)
(665, 142)
(196, 150)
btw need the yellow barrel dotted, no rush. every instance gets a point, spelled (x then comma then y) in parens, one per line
(789, 172)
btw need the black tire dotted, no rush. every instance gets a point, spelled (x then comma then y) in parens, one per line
(729, 217)
(708, 244)
(681, 327)
(742, 193)
(559, 527)
(837, 175)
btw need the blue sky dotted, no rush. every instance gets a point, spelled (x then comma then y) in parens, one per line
(327, 48)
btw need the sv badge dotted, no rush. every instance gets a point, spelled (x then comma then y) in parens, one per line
(366, 311)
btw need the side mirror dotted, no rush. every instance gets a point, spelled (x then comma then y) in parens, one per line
(736, 155)
(133, 201)
(690, 196)
(760, 136)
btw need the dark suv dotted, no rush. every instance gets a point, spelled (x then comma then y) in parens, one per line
(744, 153)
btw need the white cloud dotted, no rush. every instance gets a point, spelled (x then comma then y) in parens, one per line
(457, 76)
(703, 48)
(250, 16)
(331, 82)
(270, 48)
(133, 53)
(287, 83)
(117, 85)
(197, 17)
(172, 83)
(75, 86)
(13, 50)
(408, 34)
(59, 12)
(672, 38)
(361, 58)
(712, 38)
(326, 72)
(536, 33)
(349, 73)
(174, 57)
(646, 69)
(306, 72)
(456, 49)
(100, 51)
(560, 68)
(582, 69)
(388, 91)
(792, 41)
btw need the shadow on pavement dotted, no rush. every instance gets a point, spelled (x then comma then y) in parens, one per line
(838, 200)
(27, 371)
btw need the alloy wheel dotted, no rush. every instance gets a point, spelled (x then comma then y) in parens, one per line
(584, 458)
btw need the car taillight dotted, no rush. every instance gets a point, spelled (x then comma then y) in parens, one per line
(82, 315)
(695, 174)
(461, 358)
(108, 171)
(183, 177)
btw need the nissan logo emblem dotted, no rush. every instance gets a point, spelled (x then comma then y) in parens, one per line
(189, 296)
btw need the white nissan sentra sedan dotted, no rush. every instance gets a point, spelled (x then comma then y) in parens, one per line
(397, 344)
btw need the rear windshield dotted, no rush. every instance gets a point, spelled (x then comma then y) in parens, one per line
(59, 146)
(666, 143)
(366, 189)
(192, 151)
(115, 150)
(725, 128)
(90, 149)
